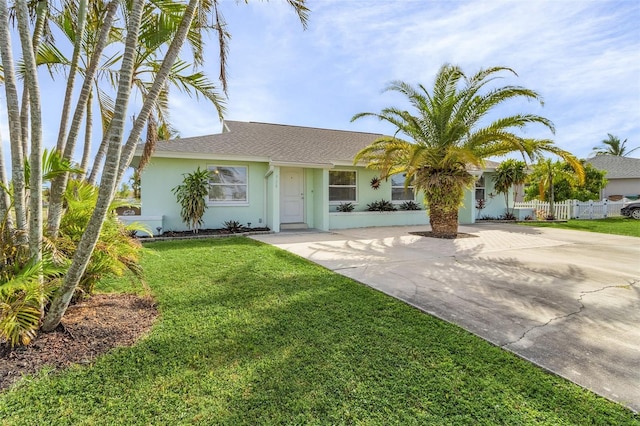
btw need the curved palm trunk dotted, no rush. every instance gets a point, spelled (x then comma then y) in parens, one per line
(13, 112)
(106, 191)
(59, 184)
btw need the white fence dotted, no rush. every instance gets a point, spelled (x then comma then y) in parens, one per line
(568, 209)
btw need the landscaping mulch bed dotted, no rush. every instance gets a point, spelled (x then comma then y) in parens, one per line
(446, 237)
(89, 329)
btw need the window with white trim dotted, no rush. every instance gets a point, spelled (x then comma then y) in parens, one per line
(342, 186)
(480, 188)
(228, 185)
(398, 191)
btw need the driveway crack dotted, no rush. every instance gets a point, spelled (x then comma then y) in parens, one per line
(567, 315)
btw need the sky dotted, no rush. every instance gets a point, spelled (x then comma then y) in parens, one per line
(581, 56)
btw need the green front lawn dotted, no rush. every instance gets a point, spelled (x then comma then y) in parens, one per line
(612, 225)
(252, 335)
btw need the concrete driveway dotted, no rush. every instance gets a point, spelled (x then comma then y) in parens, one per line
(568, 301)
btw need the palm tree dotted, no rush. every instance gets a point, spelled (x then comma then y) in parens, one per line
(447, 137)
(119, 156)
(547, 174)
(612, 146)
(510, 173)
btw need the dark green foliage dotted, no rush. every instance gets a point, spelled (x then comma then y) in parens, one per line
(409, 205)
(22, 294)
(191, 195)
(381, 206)
(233, 226)
(116, 253)
(565, 184)
(345, 207)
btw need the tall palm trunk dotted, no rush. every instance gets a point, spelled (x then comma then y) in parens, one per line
(73, 70)
(13, 112)
(59, 184)
(42, 11)
(88, 123)
(97, 161)
(106, 191)
(5, 202)
(35, 159)
(156, 88)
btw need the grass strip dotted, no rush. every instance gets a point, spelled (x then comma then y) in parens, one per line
(612, 225)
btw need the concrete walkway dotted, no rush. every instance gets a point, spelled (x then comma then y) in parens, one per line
(568, 301)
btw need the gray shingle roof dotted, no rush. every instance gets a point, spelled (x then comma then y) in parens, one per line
(276, 143)
(273, 142)
(616, 167)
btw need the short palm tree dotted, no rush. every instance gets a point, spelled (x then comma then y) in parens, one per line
(510, 174)
(613, 146)
(449, 136)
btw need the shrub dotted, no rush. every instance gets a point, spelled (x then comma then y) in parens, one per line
(381, 206)
(190, 194)
(116, 252)
(409, 205)
(22, 295)
(508, 216)
(233, 226)
(345, 207)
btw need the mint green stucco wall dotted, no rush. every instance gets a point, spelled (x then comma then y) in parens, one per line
(367, 195)
(163, 174)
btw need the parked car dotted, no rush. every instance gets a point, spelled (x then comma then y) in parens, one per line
(631, 210)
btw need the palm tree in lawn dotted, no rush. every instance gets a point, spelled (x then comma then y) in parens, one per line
(447, 136)
(613, 146)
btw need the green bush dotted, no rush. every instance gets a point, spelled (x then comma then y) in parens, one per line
(116, 252)
(381, 206)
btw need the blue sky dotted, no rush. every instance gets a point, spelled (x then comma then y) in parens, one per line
(583, 57)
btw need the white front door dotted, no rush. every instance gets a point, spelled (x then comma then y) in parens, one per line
(291, 196)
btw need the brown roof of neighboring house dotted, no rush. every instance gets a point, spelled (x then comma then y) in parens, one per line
(617, 167)
(275, 143)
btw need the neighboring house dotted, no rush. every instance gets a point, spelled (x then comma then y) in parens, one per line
(623, 176)
(281, 177)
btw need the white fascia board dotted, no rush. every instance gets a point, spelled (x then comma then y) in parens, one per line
(208, 156)
(302, 165)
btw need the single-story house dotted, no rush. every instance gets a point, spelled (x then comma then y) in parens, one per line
(623, 176)
(282, 176)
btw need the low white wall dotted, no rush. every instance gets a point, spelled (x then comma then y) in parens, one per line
(367, 219)
(151, 222)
